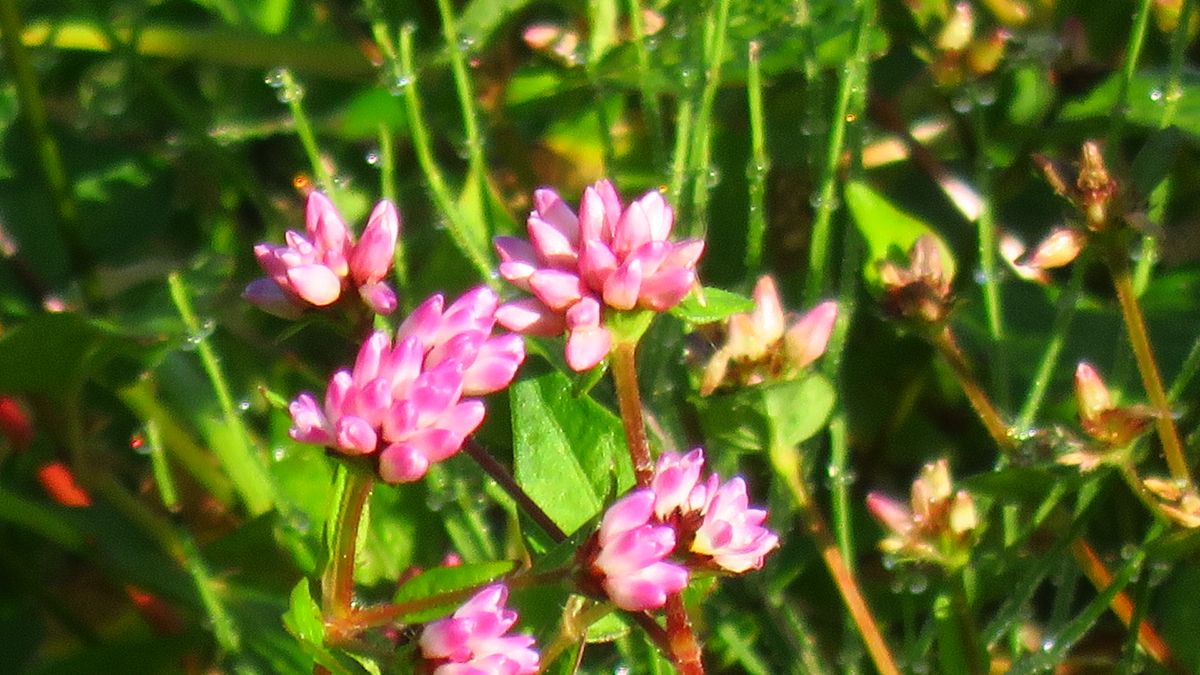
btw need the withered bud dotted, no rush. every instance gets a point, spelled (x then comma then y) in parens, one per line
(1058, 249)
(1096, 187)
(1009, 12)
(1112, 426)
(920, 292)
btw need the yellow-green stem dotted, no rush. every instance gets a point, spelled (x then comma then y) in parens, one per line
(947, 346)
(786, 463)
(1148, 368)
(337, 583)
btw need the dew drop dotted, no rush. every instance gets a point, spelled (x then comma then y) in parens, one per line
(398, 84)
(279, 453)
(961, 104)
(138, 444)
(373, 157)
(1156, 94)
(243, 404)
(465, 43)
(713, 177)
(917, 584)
(276, 78)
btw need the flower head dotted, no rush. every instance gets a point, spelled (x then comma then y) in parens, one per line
(606, 258)
(940, 525)
(760, 345)
(629, 559)
(473, 639)
(713, 519)
(1111, 425)
(315, 267)
(403, 398)
(920, 292)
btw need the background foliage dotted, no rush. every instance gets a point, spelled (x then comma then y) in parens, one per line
(141, 140)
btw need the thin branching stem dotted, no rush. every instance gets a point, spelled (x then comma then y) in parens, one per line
(756, 172)
(510, 486)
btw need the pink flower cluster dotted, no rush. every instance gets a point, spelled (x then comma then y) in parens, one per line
(710, 521)
(606, 256)
(403, 398)
(314, 269)
(472, 641)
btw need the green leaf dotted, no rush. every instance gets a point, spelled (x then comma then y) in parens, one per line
(610, 627)
(889, 232)
(715, 305)
(1146, 102)
(752, 419)
(565, 449)
(446, 580)
(303, 617)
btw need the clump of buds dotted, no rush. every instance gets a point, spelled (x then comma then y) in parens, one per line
(760, 346)
(920, 292)
(1094, 193)
(961, 52)
(1178, 500)
(939, 528)
(1111, 428)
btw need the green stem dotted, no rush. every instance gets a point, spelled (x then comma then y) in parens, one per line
(1067, 304)
(162, 470)
(839, 487)
(683, 130)
(701, 154)
(972, 645)
(387, 184)
(245, 469)
(853, 77)
(337, 581)
(786, 463)
(1144, 355)
(986, 227)
(629, 400)
(1133, 51)
(947, 346)
(292, 93)
(650, 105)
(757, 171)
(476, 162)
(467, 242)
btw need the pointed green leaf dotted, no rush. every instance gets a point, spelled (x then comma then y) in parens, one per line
(889, 231)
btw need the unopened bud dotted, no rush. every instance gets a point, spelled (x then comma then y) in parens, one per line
(984, 55)
(808, 338)
(1058, 249)
(1091, 394)
(963, 517)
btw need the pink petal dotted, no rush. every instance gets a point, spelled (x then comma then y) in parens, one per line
(666, 289)
(372, 257)
(423, 322)
(555, 212)
(632, 231)
(685, 253)
(557, 289)
(270, 298)
(370, 356)
(767, 316)
(807, 339)
(379, 296)
(308, 423)
(552, 245)
(402, 463)
(463, 419)
(324, 224)
(587, 347)
(627, 513)
(622, 287)
(596, 263)
(495, 366)
(355, 436)
(530, 316)
(317, 284)
(659, 216)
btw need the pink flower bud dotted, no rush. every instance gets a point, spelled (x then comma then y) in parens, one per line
(372, 257)
(473, 640)
(632, 552)
(315, 284)
(620, 257)
(1091, 394)
(403, 399)
(1058, 249)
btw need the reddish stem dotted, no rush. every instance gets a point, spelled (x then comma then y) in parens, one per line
(624, 370)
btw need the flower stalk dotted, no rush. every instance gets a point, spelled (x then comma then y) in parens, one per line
(1131, 311)
(948, 347)
(337, 582)
(629, 400)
